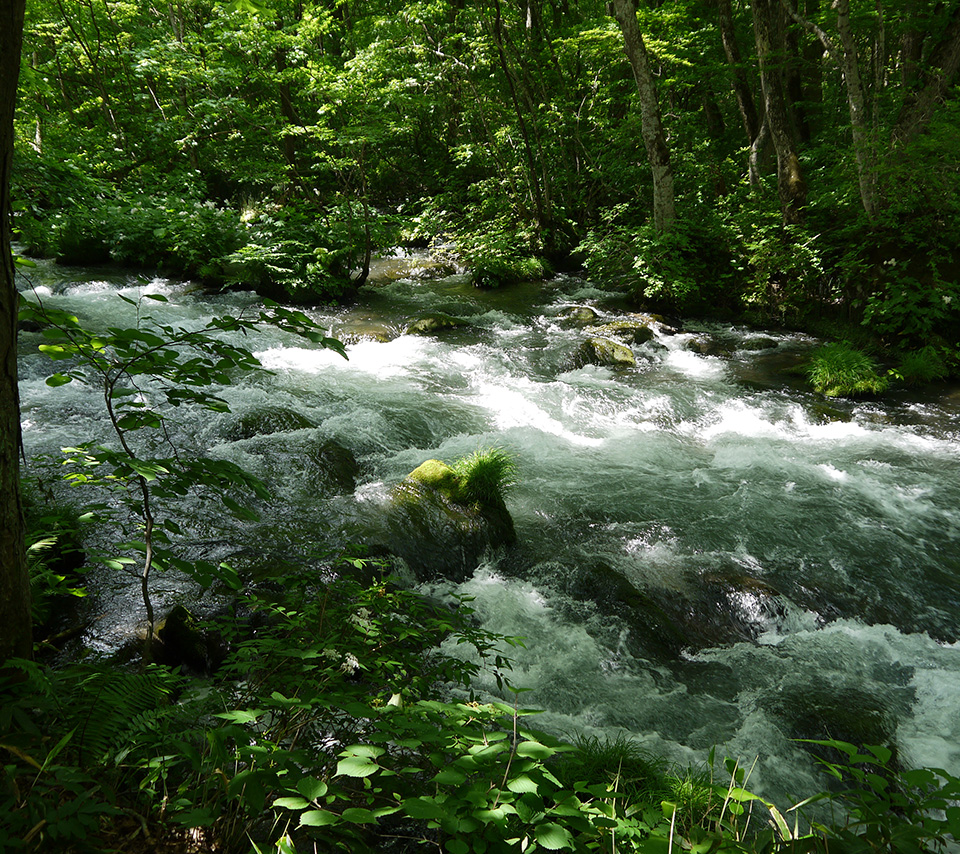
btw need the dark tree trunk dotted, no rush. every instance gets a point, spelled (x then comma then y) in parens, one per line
(791, 186)
(15, 629)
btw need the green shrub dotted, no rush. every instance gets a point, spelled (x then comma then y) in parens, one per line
(838, 370)
(688, 269)
(485, 476)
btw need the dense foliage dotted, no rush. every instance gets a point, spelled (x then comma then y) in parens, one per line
(275, 145)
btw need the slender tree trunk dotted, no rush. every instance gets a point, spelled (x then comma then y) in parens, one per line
(791, 186)
(544, 216)
(860, 125)
(15, 628)
(942, 69)
(856, 99)
(756, 153)
(654, 140)
(741, 86)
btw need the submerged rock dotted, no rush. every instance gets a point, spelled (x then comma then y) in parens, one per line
(663, 622)
(604, 352)
(335, 467)
(429, 324)
(837, 712)
(759, 343)
(436, 532)
(708, 345)
(265, 420)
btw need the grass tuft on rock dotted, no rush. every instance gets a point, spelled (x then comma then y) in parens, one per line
(839, 370)
(485, 476)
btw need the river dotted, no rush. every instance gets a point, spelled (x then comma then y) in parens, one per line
(709, 553)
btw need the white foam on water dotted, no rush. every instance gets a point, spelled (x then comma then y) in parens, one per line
(830, 472)
(694, 365)
(512, 407)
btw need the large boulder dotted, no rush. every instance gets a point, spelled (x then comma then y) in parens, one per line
(630, 330)
(436, 531)
(578, 314)
(266, 420)
(605, 352)
(181, 642)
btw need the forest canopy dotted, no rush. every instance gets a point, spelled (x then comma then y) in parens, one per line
(776, 161)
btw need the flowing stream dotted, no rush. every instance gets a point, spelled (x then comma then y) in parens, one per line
(709, 554)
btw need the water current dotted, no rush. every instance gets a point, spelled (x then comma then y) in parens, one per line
(709, 553)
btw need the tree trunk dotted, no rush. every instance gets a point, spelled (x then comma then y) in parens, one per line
(654, 140)
(15, 629)
(741, 86)
(790, 183)
(941, 71)
(862, 138)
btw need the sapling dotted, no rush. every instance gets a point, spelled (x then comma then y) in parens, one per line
(144, 372)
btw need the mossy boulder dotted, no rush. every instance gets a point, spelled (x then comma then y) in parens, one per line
(266, 420)
(436, 475)
(430, 324)
(598, 350)
(628, 330)
(435, 531)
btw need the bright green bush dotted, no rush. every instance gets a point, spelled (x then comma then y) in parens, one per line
(838, 370)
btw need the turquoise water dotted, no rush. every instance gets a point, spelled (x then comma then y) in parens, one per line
(709, 554)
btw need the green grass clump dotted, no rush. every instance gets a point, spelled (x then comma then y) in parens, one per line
(485, 476)
(919, 367)
(620, 762)
(839, 370)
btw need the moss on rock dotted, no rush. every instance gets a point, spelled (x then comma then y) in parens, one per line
(430, 324)
(605, 352)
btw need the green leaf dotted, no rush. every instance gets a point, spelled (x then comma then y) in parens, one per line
(312, 788)
(57, 352)
(358, 815)
(457, 846)
(157, 297)
(291, 803)
(424, 808)
(58, 380)
(521, 784)
(553, 837)
(534, 749)
(318, 818)
(450, 777)
(357, 766)
(241, 716)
